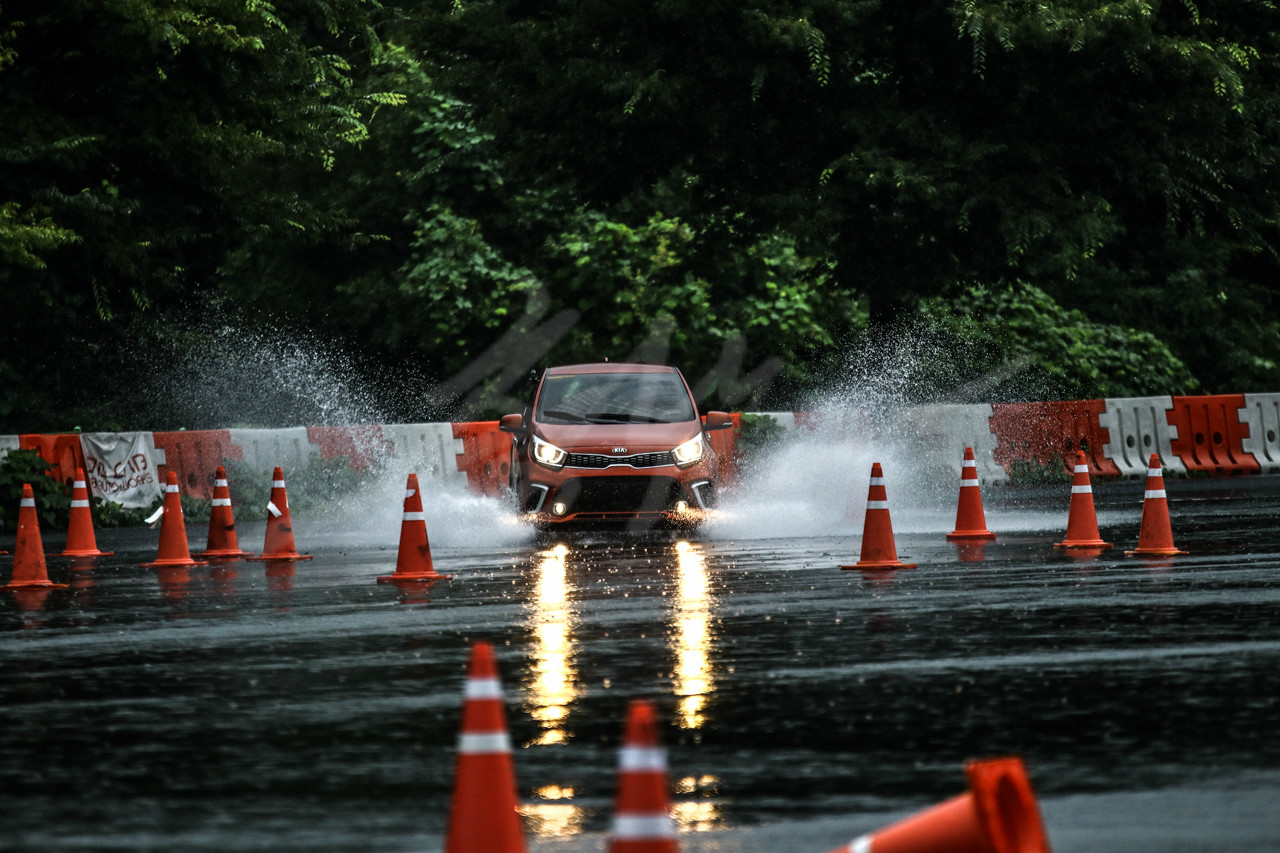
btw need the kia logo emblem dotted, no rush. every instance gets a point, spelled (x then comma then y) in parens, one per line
(619, 450)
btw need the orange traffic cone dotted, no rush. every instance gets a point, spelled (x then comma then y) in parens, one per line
(413, 560)
(1082, 519)
(483, 815)
(641, 816)
(80, 539)
(1155, 537)
(279, 543)
(878, 549)
(971, 521)
(999, 814)
(29, 569)
(222, 541)
(173, 530)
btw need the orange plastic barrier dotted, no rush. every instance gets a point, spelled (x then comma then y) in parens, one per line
(1051, 432)
(360, 444)
(485, 457)
(62, 452)
(194, 455)
(1211, 435)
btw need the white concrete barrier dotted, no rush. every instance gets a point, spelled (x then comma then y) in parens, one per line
(1262, 413)
(267, 448)
(1136, 428)
(938, 434)
(430, 448)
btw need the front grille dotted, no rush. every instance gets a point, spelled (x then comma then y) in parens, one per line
(600, 460)
(619, 494)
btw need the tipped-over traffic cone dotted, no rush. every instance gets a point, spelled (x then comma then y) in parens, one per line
(413, 560)
(222, 541)
(1155, 537)
(173, 529)
(80, 539)
(279, 543)
(642, 812)
(29, 569)
(1082, 519)
(483, 815)
(999, 814)
(878, 549)
(971, 521)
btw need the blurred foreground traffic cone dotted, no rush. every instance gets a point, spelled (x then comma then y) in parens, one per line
(174, 550)
(29, 569)
(413, 560)
(878, 549)
(999, 814)
(279, 543)
(222, 541)
(1155, 537)
(483, 815)
(1082, 519)
(971, 521)
(80, 539)
(642, 813)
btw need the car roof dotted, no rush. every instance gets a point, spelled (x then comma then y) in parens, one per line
(609, 367)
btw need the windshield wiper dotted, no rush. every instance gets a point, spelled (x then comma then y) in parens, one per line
(571, 417)
(622, 418)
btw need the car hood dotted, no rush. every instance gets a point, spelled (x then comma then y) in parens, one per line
(603, 438)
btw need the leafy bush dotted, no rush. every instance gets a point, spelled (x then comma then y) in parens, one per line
(1031, 347)
(53, 499)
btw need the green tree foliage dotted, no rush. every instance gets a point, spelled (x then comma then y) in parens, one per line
(145, 145)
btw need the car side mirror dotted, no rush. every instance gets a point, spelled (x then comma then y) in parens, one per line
(512, 423)
(717, 420)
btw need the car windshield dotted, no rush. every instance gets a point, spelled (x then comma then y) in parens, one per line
(614, 398)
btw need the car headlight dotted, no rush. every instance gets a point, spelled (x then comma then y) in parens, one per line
(545, 453)
(689, 452)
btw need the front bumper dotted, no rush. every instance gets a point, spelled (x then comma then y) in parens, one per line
(668, 498)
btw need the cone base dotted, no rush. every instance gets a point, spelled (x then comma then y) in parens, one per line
(1155, 552)
(971, 535)
(172, 563)
(414, 577)
(1084, 543)
(224, 554)
(84, 552)
(265, 558)
(881, 564)
(34, 585)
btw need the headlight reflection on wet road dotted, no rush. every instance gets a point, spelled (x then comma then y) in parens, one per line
(552, 684)
(691, 637)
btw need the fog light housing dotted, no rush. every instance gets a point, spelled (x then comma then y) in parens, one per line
(682, 506)
(558, 508)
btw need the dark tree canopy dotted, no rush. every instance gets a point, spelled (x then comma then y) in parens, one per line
(740, 188)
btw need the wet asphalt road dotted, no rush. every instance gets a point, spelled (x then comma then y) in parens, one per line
(244, 706)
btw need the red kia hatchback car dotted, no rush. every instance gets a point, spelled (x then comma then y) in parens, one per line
(613, 444)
